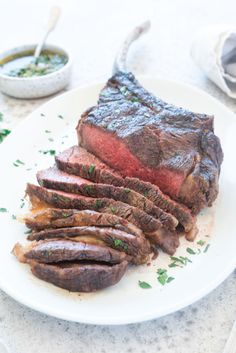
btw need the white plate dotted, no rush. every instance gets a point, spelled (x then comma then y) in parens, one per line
(125, 302)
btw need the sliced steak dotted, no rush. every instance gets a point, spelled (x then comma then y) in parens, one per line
(76, 277)
(136, 246)
(53, 178)
(61, 199)
(59, 218)
(52, 251)
(80, 277)
(78, 161)
(142, 136)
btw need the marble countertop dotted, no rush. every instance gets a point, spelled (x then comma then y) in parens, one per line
(93, 30)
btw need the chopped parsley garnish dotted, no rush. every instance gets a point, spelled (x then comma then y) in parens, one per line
(201, 242)
(98, 203)
(169, 279)
(144, 285)
(50, 139)
(163, 277)
(60, 116)
(4, 133)
(66, 215)
(191, 251)
(48, 131)
(22, 203)
(42, 114)
(180, 261)
(113, 209)
(3, 209)
(18, 163)
(13, 217)
(91, 169)
(127, 190)
(124, 90)
(29, 231)
(89, 188)
(120, 243)
(134, 99)
(50, 152)
(206, 248)
(1, 116)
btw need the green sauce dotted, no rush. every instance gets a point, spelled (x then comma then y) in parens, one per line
(25, 65)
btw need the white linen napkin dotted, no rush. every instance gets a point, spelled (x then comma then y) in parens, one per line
(214, 51)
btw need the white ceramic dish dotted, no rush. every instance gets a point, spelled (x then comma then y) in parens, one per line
(35, 87)
(125, 302)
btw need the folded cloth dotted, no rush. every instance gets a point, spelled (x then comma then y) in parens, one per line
(214, 51)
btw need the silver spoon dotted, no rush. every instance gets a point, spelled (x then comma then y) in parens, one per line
(53, 18)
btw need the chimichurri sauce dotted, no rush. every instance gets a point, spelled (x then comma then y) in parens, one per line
(25, 65)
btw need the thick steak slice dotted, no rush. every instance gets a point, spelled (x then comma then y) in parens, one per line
(136, 246)
(149, 225)
(80, 277)
(144, 137)
(53, 178)
(58, 218)
(77, 277)
(52, 251)
(78, 161)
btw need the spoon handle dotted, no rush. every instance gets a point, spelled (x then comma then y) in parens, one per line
(53, 18)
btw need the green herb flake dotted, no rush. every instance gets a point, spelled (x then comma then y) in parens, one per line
(41, 114)
(60, 116)
(4, 133)
(91, 169)
(127, 191)
(191, 251)
(123, 90)
(113, 209)
(22, 203)
(48, 131)
(98, 203)
(50, 139)
(162, 278)
(1, 116)
(170, 279)
(201, 242)
(144, 285)
(13, 216)
(66, 215)
(118, 242)
(206, 248)
(29, 231)
(134, 99)
(3, 209)
(18, 163)
(49, 152)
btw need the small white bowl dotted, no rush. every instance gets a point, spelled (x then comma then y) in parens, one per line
(38, 86)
